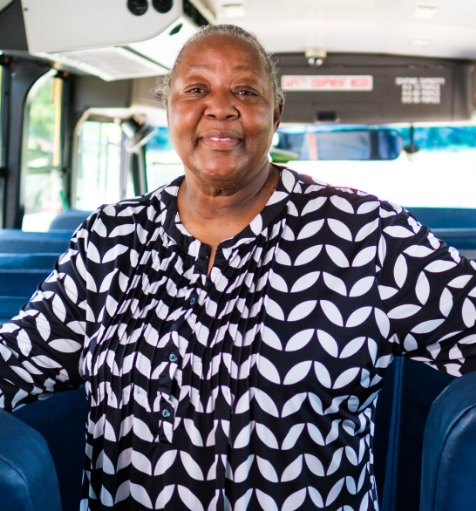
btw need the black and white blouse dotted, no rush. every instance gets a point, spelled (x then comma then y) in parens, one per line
(253, 387)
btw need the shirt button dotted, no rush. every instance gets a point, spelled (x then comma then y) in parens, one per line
(173, 357)
(192, 300)
(165, 413)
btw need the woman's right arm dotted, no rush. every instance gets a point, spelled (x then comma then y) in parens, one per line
(41, 347)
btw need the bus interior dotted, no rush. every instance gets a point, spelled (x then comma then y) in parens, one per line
(380, 96)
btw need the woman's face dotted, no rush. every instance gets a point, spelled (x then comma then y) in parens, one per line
(221, 111)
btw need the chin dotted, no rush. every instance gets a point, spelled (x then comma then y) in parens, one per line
(221, 173)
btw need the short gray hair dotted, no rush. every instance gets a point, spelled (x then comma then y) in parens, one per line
(162, 87)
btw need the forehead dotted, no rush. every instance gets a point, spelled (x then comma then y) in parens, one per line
(236, 52)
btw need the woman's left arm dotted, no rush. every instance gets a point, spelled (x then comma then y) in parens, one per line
(428, 292)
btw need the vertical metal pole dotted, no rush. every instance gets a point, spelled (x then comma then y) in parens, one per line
(125, 165)
(5, 116)
(23, 74)
(66, 134)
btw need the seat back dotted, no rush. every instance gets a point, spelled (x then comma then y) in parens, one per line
(10, 306)
(32, 261)
(21, 282)
(17, 241)
(69, 219)
(26, 258)
(61, 420)
(403, 405)
(28, 479)
(449, 449)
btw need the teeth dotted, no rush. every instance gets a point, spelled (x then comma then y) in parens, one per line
(216, 138)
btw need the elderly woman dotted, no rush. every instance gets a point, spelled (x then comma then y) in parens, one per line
(233, 328)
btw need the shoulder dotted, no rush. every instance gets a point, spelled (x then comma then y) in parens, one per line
(136, 210)
(355, 212)
(342, 199)
(130, 223)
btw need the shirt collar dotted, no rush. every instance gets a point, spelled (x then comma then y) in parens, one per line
(258, 226)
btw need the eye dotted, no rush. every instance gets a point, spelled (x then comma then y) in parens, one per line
(194, 90)
(246, 93)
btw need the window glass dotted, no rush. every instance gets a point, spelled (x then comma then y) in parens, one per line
(438, 172)
(162, 162)
(311, 142)
(42, 180)
(99, 178)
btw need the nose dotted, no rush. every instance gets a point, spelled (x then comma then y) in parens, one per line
(221, 105)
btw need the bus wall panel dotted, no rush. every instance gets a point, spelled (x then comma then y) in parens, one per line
(404, 89)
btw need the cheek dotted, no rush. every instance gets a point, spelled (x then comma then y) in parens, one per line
(262, 130)
(181, 126)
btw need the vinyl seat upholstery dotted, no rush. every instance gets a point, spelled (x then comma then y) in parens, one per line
(28, 480)
(449, 449)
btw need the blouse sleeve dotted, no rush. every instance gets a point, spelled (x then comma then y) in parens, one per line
(41, 347)
(428, 291)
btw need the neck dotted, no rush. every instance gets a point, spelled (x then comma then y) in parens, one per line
(211, 202)
(213, 214)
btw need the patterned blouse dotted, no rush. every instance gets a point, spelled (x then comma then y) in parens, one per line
(253, 387)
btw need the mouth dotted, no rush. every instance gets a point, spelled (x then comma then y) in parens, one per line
(220, 141)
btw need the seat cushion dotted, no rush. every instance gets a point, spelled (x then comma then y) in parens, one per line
(28, 480)
(449, 449)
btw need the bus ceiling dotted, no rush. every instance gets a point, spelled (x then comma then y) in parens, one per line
(346, 62)
(115, 64)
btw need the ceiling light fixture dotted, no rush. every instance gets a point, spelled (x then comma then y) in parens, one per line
(233, 9)
(420, 42)
(424, 12)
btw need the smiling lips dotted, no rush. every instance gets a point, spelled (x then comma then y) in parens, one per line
(220, 141)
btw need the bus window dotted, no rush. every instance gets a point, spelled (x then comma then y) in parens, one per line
(42, 180)
(162, 162)
(99, 177)
(418, 177)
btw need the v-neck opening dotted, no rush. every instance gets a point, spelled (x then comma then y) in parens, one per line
(186, 241)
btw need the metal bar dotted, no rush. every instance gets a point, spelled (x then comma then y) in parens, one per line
(24, 74)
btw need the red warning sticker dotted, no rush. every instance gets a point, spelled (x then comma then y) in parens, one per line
(327, 82)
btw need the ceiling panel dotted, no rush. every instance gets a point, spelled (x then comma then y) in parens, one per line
(4, 3)
(447, 29)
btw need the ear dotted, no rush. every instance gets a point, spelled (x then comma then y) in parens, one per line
(278, 111)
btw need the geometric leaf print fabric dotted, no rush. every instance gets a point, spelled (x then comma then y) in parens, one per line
(253, 388)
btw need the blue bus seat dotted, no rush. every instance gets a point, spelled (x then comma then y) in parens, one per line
(21, 282)
(61, 420)
(449, 449)
(402, 408)
(69, 219)
(28, 480)
(445, 218)
(455, 226)
(18, 241)
(10, 306)
(16, 234)
(35, 261)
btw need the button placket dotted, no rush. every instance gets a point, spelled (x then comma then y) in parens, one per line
(192, 301)
(172, 358)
